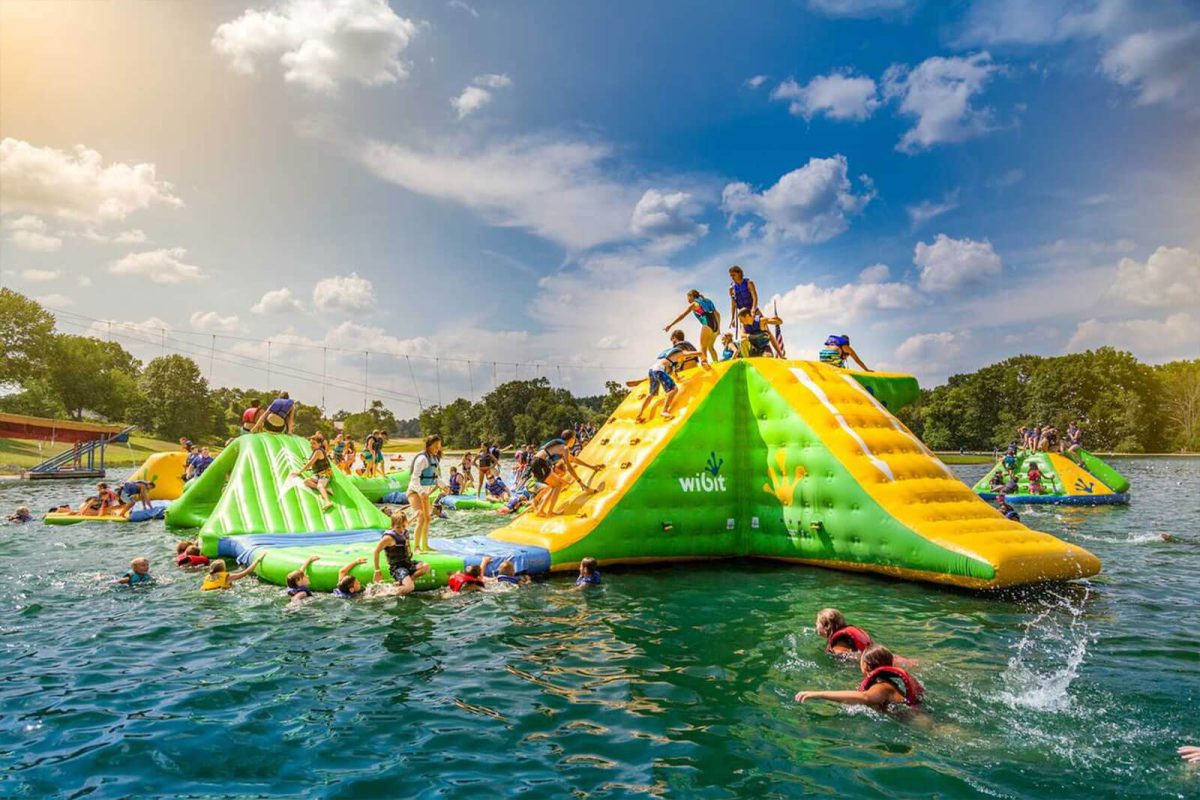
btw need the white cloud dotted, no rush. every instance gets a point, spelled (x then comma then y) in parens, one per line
(559, 190)
(938, 92)
(1173, 337)
(611, 343)
(320, 44)
(841, 96)
(808, 301)
(860, 9)
(926, 210)
(932, 348)
(55, 300)
(756, 81)
(876, 273)
(950, 264)
(666, 218)
(77, 185)
(344, 293)
(810, 204)
(462, 6)
(277, 301)
(151, 327)
(1169, 278)
(27, 222)
(131, 236)
(214, 322)
(36, 242)
(1006, 179)
(41, 275)
(470, 100)
(158, 266)
(493, 81)
(474, 97)
(1161, 66)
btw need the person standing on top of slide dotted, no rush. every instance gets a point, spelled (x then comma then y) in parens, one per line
(706, 313)
(742, 295)
(280, 416)
(425, 477)
(250, 415)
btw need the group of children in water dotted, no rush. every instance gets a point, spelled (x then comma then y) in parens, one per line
(754, 335)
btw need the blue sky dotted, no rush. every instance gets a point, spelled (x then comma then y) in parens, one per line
(950, 184)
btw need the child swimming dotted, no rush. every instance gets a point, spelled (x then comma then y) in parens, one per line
(840, 638)
(138, 574)
(1003, 506)
(884, 687)
(187, 555)
(589, 573)
(349, 586)
(470, 579)
(21, 515)
(395, 545)
(218, 578)
(298, 582)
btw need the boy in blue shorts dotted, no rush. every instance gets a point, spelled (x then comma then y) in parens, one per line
(132, 492)
(660, 373)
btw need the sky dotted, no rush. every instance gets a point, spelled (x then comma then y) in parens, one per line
(412, 201)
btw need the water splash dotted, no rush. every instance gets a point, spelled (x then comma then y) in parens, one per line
(1048, 656)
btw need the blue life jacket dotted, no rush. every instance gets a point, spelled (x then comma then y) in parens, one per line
(295, 590)
(741, 294)
(280, 406)
(136, 578)
(429, 474)
(592, 579)
(706, 313)
(510, 579)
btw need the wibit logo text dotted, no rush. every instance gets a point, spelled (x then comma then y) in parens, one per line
(709, 479)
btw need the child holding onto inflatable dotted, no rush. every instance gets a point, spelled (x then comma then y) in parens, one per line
(298, 582)
(322, 470)
(1003, 506)
(133, 492)
(219, 579)
(551, 465)
(757, 338)
(1034, 475)
(507, 578)
(187, 556)
(497, 490)
(660, 374)
(837, 352)
(469, 579)
(107, 497)
(349, 586)
(589, 573)
(138, 574)
(885, 687)
(279, 417)
(396, 546)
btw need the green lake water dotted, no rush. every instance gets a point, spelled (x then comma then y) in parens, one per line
(673, 682)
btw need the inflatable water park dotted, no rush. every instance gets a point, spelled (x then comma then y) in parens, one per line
(792, 461)
(1037, 477)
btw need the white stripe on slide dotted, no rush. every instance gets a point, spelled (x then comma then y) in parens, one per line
(899, 427)
(802, 376)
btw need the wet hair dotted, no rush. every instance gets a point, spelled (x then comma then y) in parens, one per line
(506, 568)
(193, 550)
(431, 440)
(216, 566)
(399, 517)
(473, 571)
(346, 584)
(294, 577)
(876, 656)
(182, 547)
(736, 269)
(831, 619)
(588, 565)
(677, 335)
(140, 559)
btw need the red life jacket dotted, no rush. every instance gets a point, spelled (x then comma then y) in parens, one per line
(460, 579)
(859, 639)
(912, 690)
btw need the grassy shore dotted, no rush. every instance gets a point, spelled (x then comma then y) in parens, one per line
(17, 455)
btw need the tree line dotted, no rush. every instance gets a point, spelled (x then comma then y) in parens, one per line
(1122, 404)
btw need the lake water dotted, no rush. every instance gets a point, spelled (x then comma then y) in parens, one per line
(673, 682)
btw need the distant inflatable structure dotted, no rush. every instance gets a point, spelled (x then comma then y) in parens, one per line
(1091, 482)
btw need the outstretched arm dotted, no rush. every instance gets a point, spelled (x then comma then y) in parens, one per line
(857, 360)
(878, 695)
(346, 570)
(677, 320)
(237, 576)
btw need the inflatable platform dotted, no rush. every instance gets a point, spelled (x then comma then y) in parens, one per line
(788, 460)
(166, 470)
(1064, 482)
(137, 514)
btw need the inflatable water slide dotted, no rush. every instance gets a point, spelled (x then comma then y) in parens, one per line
(787, 460)
(1091, 482)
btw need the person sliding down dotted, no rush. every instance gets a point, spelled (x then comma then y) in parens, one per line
(322, 470)
(279, 417)
(710, 322)
(757, 339)
(885, 687)
(550, 465)
(837, 350)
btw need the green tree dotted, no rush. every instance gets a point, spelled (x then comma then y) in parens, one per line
(92, 375)
(37, 399)
(1179, 386)
(26, 338)
(174, 400)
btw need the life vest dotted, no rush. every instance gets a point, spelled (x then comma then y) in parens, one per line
(321, 467)
(859, 639)
(184, 560)
(552, 457)
(460, 579)
(912, 690)
(295, 590)
(219, 580)
(705, 311)
(831, 355)
(741, 294)
(429, 473)
(281, 406)
(512, 579)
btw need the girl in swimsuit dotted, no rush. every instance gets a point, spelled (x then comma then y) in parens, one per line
(705, 312)
(322, 470)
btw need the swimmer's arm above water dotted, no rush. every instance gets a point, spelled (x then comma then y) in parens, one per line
(346, 570)
(237, 576)
(878, 696)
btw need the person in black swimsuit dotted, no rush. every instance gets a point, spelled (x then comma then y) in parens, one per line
(396, 546)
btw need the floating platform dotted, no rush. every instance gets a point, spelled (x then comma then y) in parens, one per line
(1091, 482)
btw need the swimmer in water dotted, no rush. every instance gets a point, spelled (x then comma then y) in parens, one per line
(298, 583)
(884, 687)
